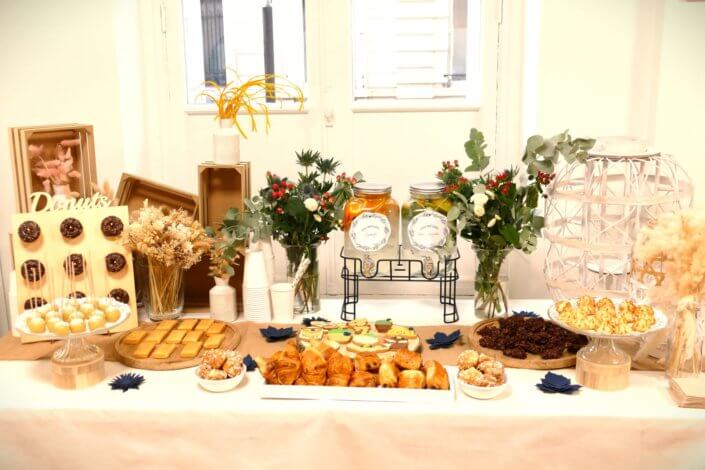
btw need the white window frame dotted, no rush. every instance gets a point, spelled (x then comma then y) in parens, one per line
(472, 85)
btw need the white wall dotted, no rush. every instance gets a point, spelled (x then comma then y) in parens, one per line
(604, 67)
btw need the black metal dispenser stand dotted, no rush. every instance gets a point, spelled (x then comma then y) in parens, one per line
(401, 270)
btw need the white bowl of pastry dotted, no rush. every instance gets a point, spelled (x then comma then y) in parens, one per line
(218, 375)
(482, 392)
(480, 376)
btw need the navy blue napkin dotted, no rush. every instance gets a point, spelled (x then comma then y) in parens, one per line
(525, 313)
(307, 321)
(276, 334)
(442, 340)
(556, 383)
(127, 381)
(250, 363)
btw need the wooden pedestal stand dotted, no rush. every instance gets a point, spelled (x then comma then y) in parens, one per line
(77, 364)
(602, 366)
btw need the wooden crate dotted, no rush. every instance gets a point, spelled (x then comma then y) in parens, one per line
(220, 187)
(83, 154)
(133, 190)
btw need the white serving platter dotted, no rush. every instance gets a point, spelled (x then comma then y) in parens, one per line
(314, 392)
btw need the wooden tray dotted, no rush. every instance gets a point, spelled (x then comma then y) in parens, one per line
(532, 361)
(123, 352)
(133, 190)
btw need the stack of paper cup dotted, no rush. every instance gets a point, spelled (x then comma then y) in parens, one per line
(255, 288)
(282, 302)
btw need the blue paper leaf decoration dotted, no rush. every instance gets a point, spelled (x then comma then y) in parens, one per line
(250, 363)
(127, 381)
(276, 334)
(556, 383)
(442, 340)
(525, 313)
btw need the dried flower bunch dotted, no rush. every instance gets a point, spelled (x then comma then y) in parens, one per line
(677, 242)
(250, 95)
(168, 236)
(54, 169)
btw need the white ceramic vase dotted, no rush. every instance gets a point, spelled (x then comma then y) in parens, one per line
(226, 143)
(223, 300)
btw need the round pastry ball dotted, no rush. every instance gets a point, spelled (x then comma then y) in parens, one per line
(89, 301)
(44, 309)
(77, 325)
(86, 309)
(98, 313)
(53, 314)
(112, 314)
(96, 321)
(52, 322)
(62, 328)
(76, 316)
(66, 312)
(36, 325)
(104, 304)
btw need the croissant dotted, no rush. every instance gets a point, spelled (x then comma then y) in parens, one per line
(436, 376)
(286, 370)
(411, 379)
(291, 349)
(363, 379)
(266, 368)
(323, 348)
(367, 362)
(388, 374)
(340, 368)
(314, 366)
(406, 359)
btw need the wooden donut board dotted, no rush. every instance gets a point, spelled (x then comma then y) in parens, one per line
(532, 361)
(51, 249)
(123, 352)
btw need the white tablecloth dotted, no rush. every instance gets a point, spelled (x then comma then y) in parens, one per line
(172, 423)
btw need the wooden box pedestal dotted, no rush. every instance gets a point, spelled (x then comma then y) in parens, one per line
(78, 373)
(602, 366)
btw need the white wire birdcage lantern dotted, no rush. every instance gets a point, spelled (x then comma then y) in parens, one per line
(594, 212)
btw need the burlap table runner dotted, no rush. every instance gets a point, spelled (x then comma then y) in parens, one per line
(252, 343)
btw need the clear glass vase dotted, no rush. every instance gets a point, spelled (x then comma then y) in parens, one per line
(307, 298)
(166, 291)
(491, 278)
(686, 340)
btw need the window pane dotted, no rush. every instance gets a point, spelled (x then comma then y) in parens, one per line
(224, 41)
(413, 49)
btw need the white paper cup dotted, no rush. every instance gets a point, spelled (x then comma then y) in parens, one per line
(282, 302)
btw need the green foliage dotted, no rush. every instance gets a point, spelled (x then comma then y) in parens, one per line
(228, 241)
(542, 154)
(475, 150)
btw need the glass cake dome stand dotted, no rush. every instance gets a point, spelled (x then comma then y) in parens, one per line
(76, 363)
(601, 364)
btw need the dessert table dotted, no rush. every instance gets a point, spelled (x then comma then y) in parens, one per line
(171, 422)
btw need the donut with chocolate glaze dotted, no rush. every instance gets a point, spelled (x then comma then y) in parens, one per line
(29, 231)
(74, 264)
(120, 295)
(32, 270)
(71, 228)
(115, 262)
(111, 226)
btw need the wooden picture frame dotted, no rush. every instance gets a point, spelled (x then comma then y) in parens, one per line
(133, 190)
(83, 152)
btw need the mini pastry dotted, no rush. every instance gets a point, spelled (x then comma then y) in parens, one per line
(36, 325)
(397, 331)
(233, 364)
(111, 226)
(53, 314)
(383, 326)
(367, 362)
(66, 312)
(340, 368)
(411, 379)
(310, 334)
(29, 231)
(192, 336)
(204, 324)
(32, 270)
(363, 379)
(214, 341)
(156, 335)
(365, 340)
(86, 309)
(388, 375)
(96, 322)
(215, 358)
(76, 316)
(191, 349)
(175, 336)
(143, 349)
(216, 374)
(134, 336)
(74, 264)
(112, 314)
(52, 322)
(71, 228)
(43, 309)
(166, 325)
(406, 359)
(115, 262)
(120, 295)
(203, 370)
(187, 324)
(97, 313)
(104, 304)
(77, 325)
(468, 359)
(215, 328)
(163, 351)
(436, 376)
(473, 376)
(34, 302)
(61, 328)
